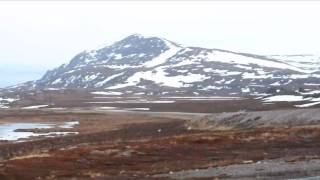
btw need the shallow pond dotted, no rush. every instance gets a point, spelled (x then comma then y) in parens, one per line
(8, 131)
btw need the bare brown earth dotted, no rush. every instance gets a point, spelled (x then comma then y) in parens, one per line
(149, 154)
(165, 142)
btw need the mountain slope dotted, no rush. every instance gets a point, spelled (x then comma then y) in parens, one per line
(152, 65)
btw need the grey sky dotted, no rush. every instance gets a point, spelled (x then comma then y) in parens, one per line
(36, 36)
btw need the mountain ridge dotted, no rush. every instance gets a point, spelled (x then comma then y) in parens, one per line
(155, 65)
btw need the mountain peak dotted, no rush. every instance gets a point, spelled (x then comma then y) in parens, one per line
(141, 63)
(137, 35)
(140, 36)
(147, 40)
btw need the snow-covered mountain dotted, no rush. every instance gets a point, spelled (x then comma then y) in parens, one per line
(152, 65)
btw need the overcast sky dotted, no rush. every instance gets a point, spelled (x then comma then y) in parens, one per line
(37, 36)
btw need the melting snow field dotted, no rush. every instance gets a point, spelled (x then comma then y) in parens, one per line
(162, 58)
(106, 93)
(307, 105)
(8, 131)
(243, 60)
(292, 98)
(213, 98)
(35, 107)
(108, 108)
(131, 101)
(287, 98)
(4, 102)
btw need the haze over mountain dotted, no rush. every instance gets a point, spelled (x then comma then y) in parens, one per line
(153, 65)
(15, 73)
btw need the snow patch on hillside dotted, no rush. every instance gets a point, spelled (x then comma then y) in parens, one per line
(160, 77)
(236, 59)
(162, 58)
(101, 83)
(308, 62)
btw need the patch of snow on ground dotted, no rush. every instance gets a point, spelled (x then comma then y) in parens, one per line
(35, 107)
(101, 83)
(132, 101)
(230, 81)
(247, 75)
(69, 124)
(56, 81)
(5, 102)
(119, 86)
(232, 58)
(118, 56)
(245, 90)
(162, 58)
(3, 106)
(71, 71)
(311, 84)
(276, 83)
(243, 67)
(260, 71)
(232, 73)
(57, 108)
(307, 105)
(90, 77)
(299, 76)
(124, 66)
(288, 82)
(202, 97)
(137, 109)
(221, 72)
(123, 109)
(140, 93)
(285, 98)
(107, 107)
(185, 62)
(127, 46)
(217, 71)
(315, 99)
(52, 89)
(311, 92)
(106, 93)
(220, 81)
(212, 88)
(10, 100)
(159, 76)
(141, 55)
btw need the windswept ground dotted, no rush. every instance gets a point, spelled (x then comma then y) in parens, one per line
(59, 99)
(148, 145)
(148, 137)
